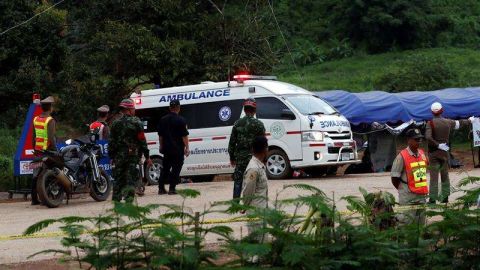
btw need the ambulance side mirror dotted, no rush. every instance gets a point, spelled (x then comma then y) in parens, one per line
(288, 114)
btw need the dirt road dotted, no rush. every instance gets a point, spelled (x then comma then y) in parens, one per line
(16, 217)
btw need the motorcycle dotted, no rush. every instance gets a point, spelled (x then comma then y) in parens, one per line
(72, 170)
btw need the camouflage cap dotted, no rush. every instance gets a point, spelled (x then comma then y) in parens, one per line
(103, 108)
(127, 104)
(47, 100)
(250, 102)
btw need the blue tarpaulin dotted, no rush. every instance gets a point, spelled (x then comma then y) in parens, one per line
(383, 107)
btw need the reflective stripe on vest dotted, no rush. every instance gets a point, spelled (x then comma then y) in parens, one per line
(416, 171)
(40, 124)
(97, 127)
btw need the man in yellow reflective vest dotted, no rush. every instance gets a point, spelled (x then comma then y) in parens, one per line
(409, 177)
(43, 137)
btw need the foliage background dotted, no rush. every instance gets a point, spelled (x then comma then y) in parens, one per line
(88, 53)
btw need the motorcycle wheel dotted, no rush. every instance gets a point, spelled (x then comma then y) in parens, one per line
(49, 191)
(101, 189)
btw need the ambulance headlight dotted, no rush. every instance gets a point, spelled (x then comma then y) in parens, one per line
(310, 136)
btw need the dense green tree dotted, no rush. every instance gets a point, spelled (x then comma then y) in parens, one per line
(120, 45)
(100, 51)
(379, 25)
(32, 56)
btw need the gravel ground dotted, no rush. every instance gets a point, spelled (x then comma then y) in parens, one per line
(17, 216)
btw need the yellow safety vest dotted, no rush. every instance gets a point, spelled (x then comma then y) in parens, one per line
(40, 124)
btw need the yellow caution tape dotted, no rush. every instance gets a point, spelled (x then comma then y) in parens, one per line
(149, 226)
(209, 221)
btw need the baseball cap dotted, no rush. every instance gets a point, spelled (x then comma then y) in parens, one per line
(436, 107)
(414, 133)
(174, 102)
(103, 108)
(47, 100)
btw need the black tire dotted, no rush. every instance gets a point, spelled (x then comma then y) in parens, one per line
(49, 191)
(202, 178)
(152, 173)
(332, 170)
(100, 191)
(278, 165)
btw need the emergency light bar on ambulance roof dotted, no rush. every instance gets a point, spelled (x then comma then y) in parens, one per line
(138, 100)
(244, 77)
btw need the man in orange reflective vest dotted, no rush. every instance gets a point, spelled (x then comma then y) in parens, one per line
(100, 126)
(409, 176)
(43, 137)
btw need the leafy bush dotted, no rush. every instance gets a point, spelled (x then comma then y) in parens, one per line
(417, 73)
(133, 236)
(129, 237)
(8, 144)
(5, 164)
(306, 52)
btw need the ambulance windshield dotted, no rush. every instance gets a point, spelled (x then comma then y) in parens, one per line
(310, 105)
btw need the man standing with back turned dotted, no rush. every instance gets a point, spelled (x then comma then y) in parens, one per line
(126, 146)
(240, 146)
(173, 137)
(437, 135)
(44, 127)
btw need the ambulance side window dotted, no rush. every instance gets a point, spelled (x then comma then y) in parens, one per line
(151, 117)
(270, 108)
(212, 114)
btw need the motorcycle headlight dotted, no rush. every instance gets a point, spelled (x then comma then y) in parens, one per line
(310, 136)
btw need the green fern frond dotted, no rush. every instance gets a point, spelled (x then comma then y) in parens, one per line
(39, 226)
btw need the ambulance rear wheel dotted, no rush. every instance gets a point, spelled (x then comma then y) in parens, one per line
(332, 170)
(278, 165)
(154, 171)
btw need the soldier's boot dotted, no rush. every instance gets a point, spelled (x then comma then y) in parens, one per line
(161, 189)
(116, 193)
(34, 194)
(140, 191)
(129, 193)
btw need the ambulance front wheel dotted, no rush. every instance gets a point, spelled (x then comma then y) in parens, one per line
(154, 171)
(278, 165)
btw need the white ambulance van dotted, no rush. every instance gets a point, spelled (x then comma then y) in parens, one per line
(303, 130)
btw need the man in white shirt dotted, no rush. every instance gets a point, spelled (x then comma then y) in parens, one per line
(255, 187)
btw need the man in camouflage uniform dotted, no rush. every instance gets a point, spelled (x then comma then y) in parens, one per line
(126, 146)
(239, 148)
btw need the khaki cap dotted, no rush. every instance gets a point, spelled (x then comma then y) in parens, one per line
(47, 100)
(103, 108)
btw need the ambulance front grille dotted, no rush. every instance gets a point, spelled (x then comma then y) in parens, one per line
(339, 135)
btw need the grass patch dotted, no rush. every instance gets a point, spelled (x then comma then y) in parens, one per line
(359, 73)
(8, 144)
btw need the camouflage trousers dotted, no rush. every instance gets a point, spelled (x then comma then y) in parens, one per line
(240, 167)
(126, 176)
